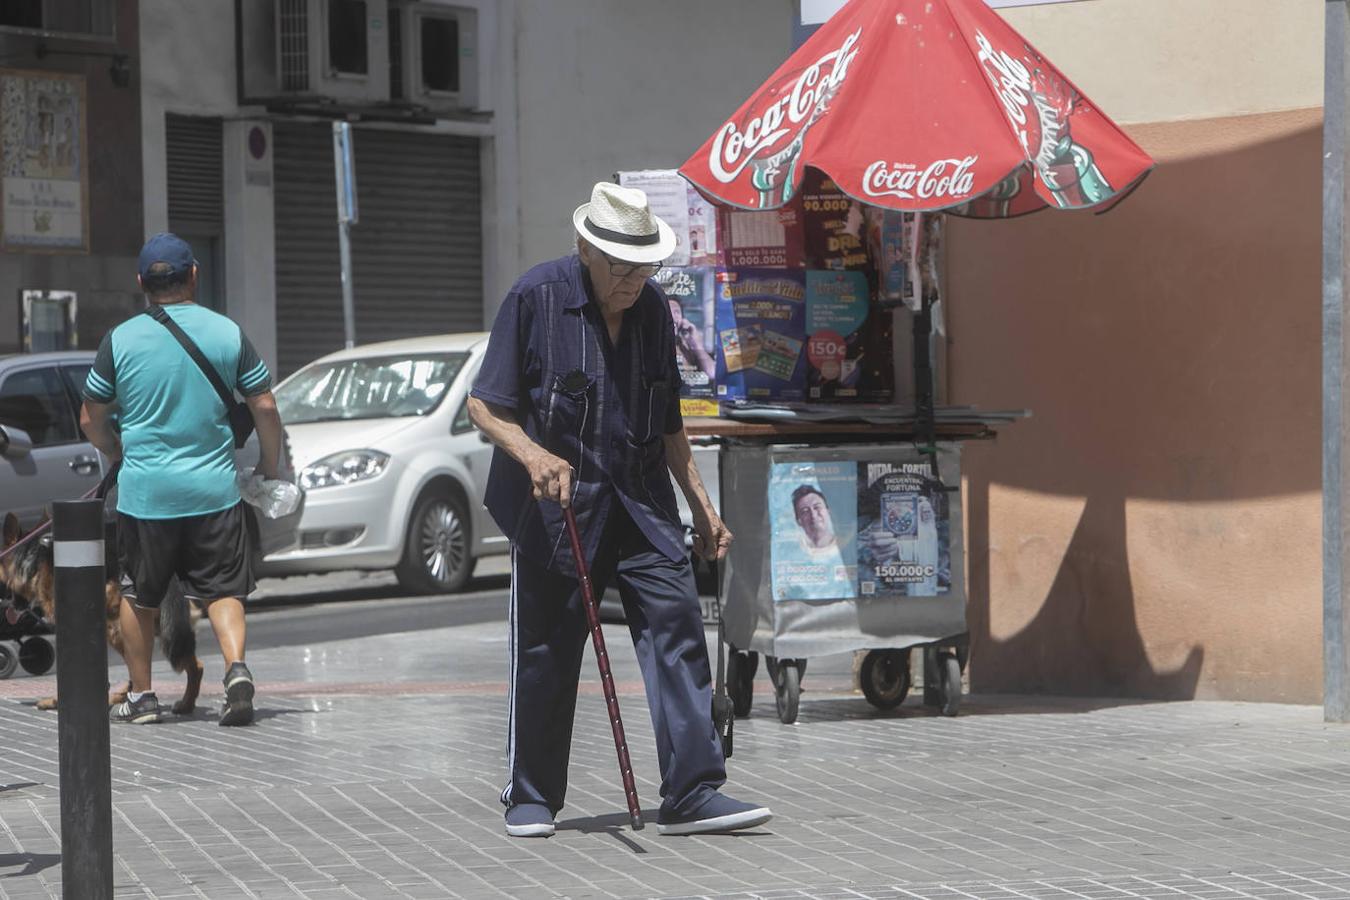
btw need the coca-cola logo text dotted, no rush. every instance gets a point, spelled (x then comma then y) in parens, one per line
(733, 147)
(1052, 100)
(1011, 81)
(941, 178)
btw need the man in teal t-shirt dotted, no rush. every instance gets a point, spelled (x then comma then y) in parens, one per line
(179, 511)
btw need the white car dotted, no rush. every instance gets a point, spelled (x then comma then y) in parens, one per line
(392, 467)
(393, 470)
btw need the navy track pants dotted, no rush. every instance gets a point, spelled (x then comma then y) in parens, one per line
(548, 634)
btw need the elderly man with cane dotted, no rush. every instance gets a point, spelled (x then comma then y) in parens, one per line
(579, 390)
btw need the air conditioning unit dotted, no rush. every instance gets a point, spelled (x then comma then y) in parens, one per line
(315, 50)
(438, 59)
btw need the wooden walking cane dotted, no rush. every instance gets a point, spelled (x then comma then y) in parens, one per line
(606, 677)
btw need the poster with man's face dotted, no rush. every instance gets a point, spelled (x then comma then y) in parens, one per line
(812, 511)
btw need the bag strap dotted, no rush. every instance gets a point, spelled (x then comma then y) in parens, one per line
(157, 313)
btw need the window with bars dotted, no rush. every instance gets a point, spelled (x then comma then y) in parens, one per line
(83, 18)
(293, 44)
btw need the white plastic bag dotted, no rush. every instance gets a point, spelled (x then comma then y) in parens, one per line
(274, 499)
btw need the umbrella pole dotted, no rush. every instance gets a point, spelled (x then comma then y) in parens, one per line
(925, 426)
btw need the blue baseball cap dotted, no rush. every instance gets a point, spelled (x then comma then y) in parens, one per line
(169, 249)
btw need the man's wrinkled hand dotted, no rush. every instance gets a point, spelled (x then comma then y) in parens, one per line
(712, 538)
(551, 477)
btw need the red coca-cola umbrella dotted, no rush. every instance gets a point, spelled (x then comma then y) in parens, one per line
(921, 105)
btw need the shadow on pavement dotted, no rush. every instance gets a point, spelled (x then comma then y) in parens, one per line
(615, 825)
(262, 714)
(212, 714)
(846, 708)
(32, 863)
(17, 786)
(304, 596)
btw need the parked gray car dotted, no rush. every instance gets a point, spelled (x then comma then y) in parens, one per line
(45, 457)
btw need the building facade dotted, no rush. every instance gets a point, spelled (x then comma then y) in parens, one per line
(459, 189)
(1155, 529)
(70, 221)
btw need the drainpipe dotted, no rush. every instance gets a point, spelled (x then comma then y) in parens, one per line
(1335, 458)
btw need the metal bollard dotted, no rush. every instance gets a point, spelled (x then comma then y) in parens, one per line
(82, 689)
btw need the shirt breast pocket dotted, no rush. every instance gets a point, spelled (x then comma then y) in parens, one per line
(568, 403)
(653, 402)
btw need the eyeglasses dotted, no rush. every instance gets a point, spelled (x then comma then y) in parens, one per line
(626, 270)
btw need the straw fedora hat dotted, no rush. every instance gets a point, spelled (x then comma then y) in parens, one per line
(619, 223)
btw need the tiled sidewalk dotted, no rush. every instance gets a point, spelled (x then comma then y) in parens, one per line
(351, 786)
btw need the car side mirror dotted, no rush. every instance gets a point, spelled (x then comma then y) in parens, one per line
(14, 442)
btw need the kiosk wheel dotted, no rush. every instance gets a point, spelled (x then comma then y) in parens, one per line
(787, 687)
(741, 669)
(949, 682)
(884, 678)
(9, 661)
(37, 655)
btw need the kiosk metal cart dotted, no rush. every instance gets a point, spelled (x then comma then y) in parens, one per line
(779, 602)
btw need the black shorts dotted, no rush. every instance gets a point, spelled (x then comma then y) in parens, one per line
(209, 554)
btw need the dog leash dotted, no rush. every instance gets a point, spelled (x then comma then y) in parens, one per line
(98, 492)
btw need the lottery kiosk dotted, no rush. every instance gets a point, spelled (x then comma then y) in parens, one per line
(810, 344)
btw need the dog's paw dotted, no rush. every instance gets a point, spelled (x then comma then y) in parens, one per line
(184, 707)
(47, 703)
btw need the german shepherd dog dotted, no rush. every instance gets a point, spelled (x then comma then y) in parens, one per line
(28, 575)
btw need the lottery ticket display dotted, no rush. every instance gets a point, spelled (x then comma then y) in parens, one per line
(760, 321)
(837, 311)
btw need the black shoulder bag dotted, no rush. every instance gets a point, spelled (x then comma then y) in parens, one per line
(241, 419)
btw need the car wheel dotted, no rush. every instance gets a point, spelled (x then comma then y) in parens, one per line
(436, 556)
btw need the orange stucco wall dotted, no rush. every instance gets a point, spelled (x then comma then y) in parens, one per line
(1155, 529)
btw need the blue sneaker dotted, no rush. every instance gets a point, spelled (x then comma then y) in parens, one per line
(719, 813)
(529, 820)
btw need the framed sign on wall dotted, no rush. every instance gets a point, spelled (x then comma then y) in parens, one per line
(44, 162)
(48, 321)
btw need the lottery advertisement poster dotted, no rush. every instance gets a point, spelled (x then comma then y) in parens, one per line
(904, 531)
(833, 226)
(761, 333)
(837, 310)
(690, 293)
(892, 241)
(761, 239)
(813, 516)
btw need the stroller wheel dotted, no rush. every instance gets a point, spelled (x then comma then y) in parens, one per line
(8, 661)
(37, 655)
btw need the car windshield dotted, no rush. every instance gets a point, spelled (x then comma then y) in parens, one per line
(376, 388)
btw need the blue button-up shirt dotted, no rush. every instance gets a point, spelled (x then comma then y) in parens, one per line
(601, 406)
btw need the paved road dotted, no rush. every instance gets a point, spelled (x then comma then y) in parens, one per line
(374, 768)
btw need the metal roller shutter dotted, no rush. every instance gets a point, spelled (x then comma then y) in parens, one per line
(416, 252)
(193, 157)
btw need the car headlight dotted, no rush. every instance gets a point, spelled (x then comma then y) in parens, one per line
(343, 468)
